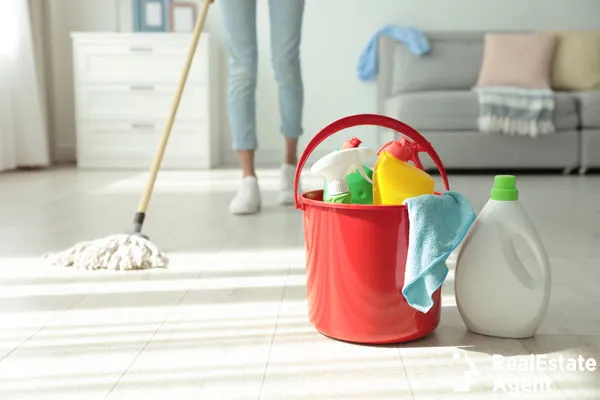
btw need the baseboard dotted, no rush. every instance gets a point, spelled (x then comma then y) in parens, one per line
(65, 154)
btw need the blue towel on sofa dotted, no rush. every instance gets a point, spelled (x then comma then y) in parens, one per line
(437, 226)
(415, 40)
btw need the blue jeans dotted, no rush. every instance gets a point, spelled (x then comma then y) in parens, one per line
(239, 23)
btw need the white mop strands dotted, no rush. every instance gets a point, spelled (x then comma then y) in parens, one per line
(116, 252)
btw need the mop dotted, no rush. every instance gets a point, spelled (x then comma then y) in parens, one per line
(134, 250)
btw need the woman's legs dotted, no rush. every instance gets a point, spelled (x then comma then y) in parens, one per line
(239, 23)
(286, 30)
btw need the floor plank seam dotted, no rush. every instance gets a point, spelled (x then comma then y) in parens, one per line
(42, 328)
(524, 345)
(262, 382)
(146, 344)
(410, 391)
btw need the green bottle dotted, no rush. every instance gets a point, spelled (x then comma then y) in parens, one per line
(360, 189)
(342, 198)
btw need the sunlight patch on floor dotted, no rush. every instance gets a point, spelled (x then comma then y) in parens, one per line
(226, 261)
(240, 260)
(211, 181)
(147, 286)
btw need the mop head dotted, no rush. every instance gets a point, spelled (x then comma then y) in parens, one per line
(116, 252)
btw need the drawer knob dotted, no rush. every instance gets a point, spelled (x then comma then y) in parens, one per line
(143, 126)
(142, 88)
(140, 49)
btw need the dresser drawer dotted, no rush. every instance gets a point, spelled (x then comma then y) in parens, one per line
(141, 101)
(138, 138)
(124, 85)
(139, 62)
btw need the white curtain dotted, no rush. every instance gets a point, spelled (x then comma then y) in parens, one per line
(23, 127)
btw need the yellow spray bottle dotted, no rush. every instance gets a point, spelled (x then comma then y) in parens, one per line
(394, 178)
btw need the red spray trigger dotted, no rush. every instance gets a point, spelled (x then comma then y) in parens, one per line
(403, 150)
(352, 143)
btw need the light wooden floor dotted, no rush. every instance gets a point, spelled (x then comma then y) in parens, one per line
(228, 320)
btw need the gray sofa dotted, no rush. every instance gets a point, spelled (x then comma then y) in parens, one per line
(432, 93)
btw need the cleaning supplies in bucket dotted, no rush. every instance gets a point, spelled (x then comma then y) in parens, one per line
(355, 256)
(496, 294)
(334, 167)
(395, 180)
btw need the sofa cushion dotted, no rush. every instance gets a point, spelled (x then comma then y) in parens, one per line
(523, 60)
(577, 60)
(452, 63)
(459, 110)
(589, 104)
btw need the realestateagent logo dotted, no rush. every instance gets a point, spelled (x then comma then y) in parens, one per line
(532, 363)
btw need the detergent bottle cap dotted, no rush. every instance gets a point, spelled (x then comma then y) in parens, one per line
(505, 188)
(352, 143)
(400, 149)
(337, 186)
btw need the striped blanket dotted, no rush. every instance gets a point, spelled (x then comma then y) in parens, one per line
(516, 111)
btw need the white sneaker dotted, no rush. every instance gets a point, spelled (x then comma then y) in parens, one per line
(286, 185)
(248, 199)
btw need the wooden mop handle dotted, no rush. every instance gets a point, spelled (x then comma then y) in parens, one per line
(143, 205)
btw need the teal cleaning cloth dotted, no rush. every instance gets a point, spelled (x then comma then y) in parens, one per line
(413, 38)
(437, 226)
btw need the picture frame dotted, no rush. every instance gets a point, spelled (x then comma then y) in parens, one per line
(182, 16)
(150, 15)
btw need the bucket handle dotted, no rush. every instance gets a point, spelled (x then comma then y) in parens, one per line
(368, 119)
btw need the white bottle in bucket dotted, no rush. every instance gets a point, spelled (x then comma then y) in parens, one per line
(335, 166)
(496, 294)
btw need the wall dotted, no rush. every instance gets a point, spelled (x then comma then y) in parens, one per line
(335, 32)
(37, 12)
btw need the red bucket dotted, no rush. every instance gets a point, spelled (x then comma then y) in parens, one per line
(356, 256)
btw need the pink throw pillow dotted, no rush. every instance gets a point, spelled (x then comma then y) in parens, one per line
(522, 60)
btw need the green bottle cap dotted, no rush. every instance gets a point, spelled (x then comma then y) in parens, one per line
(505, 188)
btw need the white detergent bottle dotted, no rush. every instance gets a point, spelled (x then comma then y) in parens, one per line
(496, 294)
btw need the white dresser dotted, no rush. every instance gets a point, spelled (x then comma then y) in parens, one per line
(124, 87)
